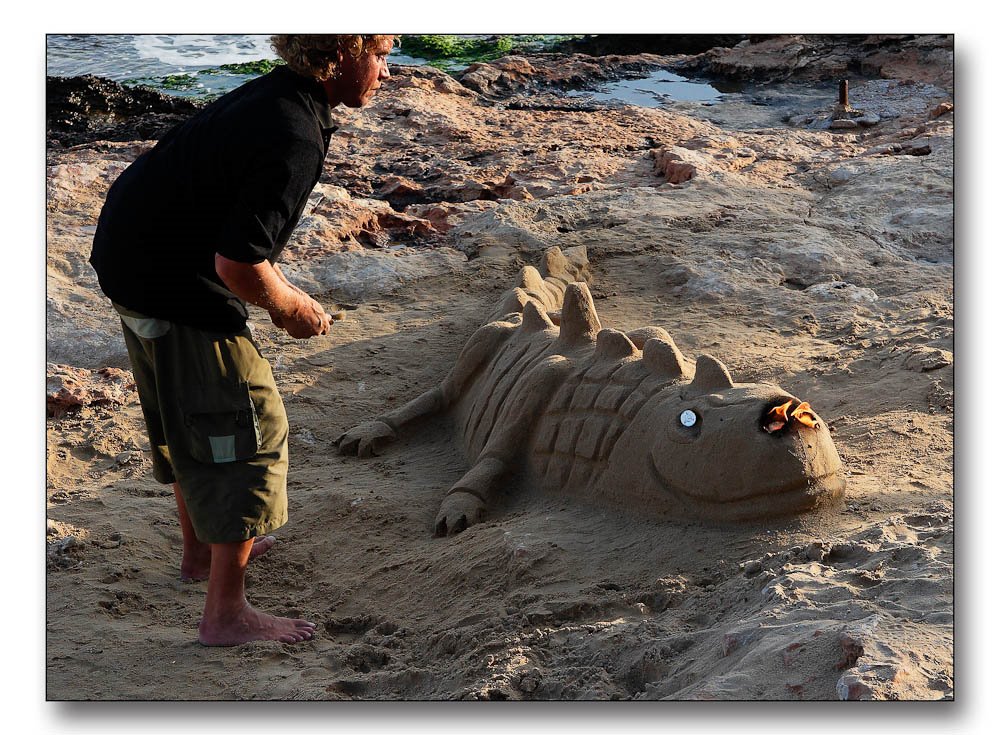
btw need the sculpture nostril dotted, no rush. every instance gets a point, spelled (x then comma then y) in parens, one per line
(777, 418)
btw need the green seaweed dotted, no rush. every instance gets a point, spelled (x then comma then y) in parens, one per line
(178, 81)
(453, 53)
(252, 68)
(190, 84)
(182, 85)
(450, 53)
(456, 48)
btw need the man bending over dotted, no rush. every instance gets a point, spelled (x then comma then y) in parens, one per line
(189, 234)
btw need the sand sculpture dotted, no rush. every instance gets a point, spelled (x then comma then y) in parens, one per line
(546, 398)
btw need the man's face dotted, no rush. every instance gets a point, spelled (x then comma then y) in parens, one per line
(359, 77)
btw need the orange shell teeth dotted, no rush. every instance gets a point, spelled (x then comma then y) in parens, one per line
(778, 416)
(805, 416)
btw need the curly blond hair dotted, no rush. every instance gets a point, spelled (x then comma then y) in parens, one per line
(315, 55)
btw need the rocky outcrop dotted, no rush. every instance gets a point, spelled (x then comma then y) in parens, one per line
(88, 108)
(925, 58)
(516, 75)
(651, 43)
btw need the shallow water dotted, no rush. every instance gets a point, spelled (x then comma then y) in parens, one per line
(150, 58)
(660, 87)
(126, 57)
(729, 105)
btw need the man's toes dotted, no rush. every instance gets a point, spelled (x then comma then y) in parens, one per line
(292, 636)
(261, 545)
(300, 634)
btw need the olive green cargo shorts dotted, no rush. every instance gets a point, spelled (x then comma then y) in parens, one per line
(216, 425)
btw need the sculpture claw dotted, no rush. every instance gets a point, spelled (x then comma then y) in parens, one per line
(365, 440)
(458, 511)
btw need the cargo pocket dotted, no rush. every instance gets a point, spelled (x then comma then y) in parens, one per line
(223, 427)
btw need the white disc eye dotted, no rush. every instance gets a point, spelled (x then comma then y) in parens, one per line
(689, 418)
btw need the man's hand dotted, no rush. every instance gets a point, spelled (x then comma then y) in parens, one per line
(290, 308)
(306, 319)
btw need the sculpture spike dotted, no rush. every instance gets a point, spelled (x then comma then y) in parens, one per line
(663, 358)
(577, 258)
(555, 265)
(710, 375)
(642, 335)
(579, 322)
(535, 319)
(531, 279)
(512, 303)
(614, 345)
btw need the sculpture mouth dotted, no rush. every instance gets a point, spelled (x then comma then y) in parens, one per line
(803, 495)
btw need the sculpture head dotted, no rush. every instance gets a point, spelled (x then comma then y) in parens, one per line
(723, 451)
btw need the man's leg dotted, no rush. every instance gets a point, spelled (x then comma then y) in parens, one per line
(228, 619)
(196, 557)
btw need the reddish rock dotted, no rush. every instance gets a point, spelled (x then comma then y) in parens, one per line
(504, 75)
(339, 223)
(851, 687)
(444, 216)
(68, 388)
(406, 226)
(511, 75)
(852, 649)
(797, 690)
(788, 656)
(670, 166)
(427, 78)
(942, 109)
(397, 186)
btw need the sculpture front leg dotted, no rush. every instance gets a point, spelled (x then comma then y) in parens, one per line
(467, 501)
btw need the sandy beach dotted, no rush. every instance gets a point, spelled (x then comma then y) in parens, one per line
(813, 257)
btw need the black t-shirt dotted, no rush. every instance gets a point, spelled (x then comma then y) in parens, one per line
(234, 179)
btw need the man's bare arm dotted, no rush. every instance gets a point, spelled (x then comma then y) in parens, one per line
(336, 316)
(260, 284)
(281, 275)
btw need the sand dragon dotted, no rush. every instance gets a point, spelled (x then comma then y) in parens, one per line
(544, 396)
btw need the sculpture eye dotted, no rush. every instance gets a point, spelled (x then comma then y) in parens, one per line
(688, 418)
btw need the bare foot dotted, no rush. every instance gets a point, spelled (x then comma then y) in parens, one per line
(196, 564)
(250, 624)
(262, 545)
